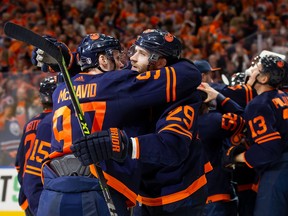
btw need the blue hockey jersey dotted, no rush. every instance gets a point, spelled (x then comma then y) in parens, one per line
(25, 149)
(120, 99)
(266, 118)
(215, 128)
(174, 163)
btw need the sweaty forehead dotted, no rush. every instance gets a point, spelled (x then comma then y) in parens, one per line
(140, 49)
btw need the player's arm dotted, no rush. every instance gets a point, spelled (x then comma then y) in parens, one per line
(166, 85)
(20, 159)
(168, 146)
(224, 104)
(20, 164)
(241, 94)
(175, 131)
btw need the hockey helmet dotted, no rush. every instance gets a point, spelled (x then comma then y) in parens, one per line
(47, 87)
(264, 55)
(94, 44)
(276, 67)
(158, 43)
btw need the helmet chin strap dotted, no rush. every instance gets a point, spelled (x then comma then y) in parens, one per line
(152, 61)
(99, 68)
(150, 66)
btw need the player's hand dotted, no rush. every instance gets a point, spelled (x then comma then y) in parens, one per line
(228, 159)
(46, 62)
(42, 60)
(36, 59)
(103, 145)
(211, 92)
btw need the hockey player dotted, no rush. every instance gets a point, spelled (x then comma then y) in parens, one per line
(245, 178)
(33, 148)
(173, 153)
(121, 98)
(227, 124)
(206, 70)
(266, 121)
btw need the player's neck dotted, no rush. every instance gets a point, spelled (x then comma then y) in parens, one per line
(95, 71)
(263, 88)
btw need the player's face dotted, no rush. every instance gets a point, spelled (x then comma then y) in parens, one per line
(140, 59)
(207, 77)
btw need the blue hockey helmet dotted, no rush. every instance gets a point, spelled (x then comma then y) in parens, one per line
(159, 43)
(94, 44)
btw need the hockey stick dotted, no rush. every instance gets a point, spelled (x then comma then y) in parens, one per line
(22, 34)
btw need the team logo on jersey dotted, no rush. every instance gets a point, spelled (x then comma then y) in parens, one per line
(79, 79)
(169, 37)
(94, 36)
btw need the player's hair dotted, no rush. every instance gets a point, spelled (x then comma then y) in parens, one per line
(159, 43)
(92, 46)
(47, 87)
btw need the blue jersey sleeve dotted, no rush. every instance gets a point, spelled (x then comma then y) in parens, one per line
(241, 94)
(162, 86)
(228, 105)
(175, 130)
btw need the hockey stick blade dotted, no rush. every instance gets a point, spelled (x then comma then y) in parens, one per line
(22, 34)
(25, 35)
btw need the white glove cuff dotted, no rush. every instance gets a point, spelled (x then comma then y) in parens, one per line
(135, 148)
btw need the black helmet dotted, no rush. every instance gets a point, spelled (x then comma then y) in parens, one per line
(159, 43)
(47, 87)
(94, 44)
(276, 67)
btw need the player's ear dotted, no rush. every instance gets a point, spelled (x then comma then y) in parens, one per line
(264, 78)
(102, 59)
(103, 62)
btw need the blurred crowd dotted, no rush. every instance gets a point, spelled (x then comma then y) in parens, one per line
(226, 33)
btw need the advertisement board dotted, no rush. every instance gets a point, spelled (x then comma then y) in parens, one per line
(9, 189)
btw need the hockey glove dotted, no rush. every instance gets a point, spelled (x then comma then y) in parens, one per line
(103, 145)
(46, 62)
(228, 159)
